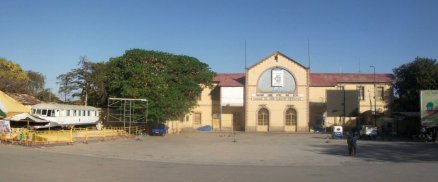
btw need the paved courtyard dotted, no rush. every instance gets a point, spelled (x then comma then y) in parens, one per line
(223, 157)
(272, 149)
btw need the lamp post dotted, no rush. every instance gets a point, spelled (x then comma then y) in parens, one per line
(375, 109)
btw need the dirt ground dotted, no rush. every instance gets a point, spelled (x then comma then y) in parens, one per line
(259, 149)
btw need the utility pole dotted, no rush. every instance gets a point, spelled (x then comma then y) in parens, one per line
(375, 108)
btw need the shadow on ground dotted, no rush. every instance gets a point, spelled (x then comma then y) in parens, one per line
(387, 151)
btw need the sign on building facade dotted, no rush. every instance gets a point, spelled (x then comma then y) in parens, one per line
(429, 107)
(342, 103)
(277, 77)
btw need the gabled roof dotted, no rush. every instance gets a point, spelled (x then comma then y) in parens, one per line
(25, 99)
(331, 79)
(230, 79)
(276, 53)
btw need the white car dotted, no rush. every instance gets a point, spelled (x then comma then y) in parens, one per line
(368, 131)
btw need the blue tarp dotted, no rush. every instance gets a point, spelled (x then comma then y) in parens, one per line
(205, 128)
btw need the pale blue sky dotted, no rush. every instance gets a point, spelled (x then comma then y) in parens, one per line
(50, 36)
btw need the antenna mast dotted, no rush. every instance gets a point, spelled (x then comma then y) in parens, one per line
(245, 54)
(359, 64)
(308, 52)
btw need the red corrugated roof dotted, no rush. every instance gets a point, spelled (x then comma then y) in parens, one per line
(331, 79)
(316, 79)
(230, 79)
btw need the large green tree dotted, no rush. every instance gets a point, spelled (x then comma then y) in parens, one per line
(420, 74)
(170, 82)
(12, 77)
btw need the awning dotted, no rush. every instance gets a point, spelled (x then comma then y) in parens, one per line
(48, 125)
(27, 117)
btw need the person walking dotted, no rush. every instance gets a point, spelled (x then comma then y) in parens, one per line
(352, 144)
(349, 144)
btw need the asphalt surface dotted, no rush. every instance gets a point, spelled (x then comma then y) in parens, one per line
(222, 157)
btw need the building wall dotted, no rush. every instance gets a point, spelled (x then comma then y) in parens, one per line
(318, 103)
(208, 104)
(209, 108)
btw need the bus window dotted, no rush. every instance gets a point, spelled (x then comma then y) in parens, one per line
(39, 111)
(74, 112)
(44, 113)
(88, 113)
(68, 112)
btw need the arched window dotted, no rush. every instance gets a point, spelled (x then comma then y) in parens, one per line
(263, 117)
(291, 117)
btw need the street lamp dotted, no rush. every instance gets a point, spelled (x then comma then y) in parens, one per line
(375, 109)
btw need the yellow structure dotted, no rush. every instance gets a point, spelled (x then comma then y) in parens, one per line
(278, 94)
(10, 106)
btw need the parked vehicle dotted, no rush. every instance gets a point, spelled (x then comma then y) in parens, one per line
(337, 132)
(65, 115)
(428, 134)
(160, 130)
(318, 129)
(368, 131)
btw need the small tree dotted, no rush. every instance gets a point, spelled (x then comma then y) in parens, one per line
(47, 96)
(36, 82)
(66, 86)
(87, 82)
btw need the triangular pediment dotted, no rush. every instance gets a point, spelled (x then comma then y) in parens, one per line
(278, 53)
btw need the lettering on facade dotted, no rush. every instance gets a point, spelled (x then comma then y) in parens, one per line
(277, 97)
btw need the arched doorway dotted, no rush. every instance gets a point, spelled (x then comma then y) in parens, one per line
(291, 120)
(263, 120)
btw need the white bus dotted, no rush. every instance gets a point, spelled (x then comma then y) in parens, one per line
(67, 115)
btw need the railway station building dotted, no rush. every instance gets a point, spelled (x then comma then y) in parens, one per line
(278, 94)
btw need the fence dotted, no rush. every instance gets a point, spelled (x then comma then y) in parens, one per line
(47, 137)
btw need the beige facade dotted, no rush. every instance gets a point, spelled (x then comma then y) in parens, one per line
(281, 95)
(318, 104)
(262, 95)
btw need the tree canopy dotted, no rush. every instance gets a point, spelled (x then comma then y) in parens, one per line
(171, 83)
(13, 78)
(88, 82)
(36, 82)
(420, 74)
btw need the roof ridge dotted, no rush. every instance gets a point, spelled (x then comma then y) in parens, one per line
(275, 53)
(351, 73)
(228, 73)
